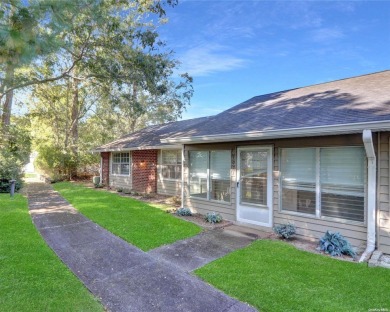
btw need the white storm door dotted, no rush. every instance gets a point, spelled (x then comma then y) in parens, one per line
(254, 185)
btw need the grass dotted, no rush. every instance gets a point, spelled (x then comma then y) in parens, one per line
(139, 223)
(32, 278)
(275, 276)
(30, 175)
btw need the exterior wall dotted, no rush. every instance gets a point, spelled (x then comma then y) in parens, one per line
(105, 168)
(307, 227)
(167, 186)
(144, 171)
(119, 181)
(383, 215)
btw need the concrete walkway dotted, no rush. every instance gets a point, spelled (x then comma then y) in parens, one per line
(121, 275)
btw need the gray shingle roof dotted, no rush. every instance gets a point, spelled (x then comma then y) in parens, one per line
(354, 100)
(151, 136)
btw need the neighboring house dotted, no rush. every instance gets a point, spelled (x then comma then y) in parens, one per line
(140, 162)
(317, 156)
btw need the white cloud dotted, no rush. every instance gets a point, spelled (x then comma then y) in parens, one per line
(206, 59)
(324, 35)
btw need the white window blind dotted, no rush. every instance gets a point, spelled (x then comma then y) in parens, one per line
(342, 183)
(339, 179)
(220, 163)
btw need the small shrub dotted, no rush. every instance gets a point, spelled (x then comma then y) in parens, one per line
(213, 217)
(119, 190)
(335, 244)
(285, 230)
(184, 212)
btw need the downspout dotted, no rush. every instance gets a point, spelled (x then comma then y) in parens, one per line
(182, 176)
(371, 195)
(101, 169)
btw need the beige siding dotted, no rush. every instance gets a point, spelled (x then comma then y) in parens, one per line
(308, 227)
(168, 187)
(383, 214)
(117, 181)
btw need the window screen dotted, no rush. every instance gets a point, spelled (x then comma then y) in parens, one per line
(220, 163)
(198, 164)
(171, 164)
(299, 179)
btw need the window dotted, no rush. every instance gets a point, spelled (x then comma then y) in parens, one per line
(209, 174)
(325, 182)
(171, 164)
(121, 163)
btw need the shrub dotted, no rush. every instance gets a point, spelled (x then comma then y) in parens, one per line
(213, 217)
(285, 230)
(335, 244)
(184, 212)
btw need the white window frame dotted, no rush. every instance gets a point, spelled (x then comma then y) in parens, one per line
(208, 198)
(112, 162)
(179, 152)
(317, 214)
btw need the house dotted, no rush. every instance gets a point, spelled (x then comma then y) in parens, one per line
(140, 162)
(317, 156)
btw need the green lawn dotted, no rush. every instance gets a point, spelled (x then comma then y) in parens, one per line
(32, 278)
(139, 223)
(275, 276)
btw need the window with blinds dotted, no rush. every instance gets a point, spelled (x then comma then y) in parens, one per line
(220, 163)
(120, 163)
(171, 164)
(342, 177)
(337, 174)
(209, 174)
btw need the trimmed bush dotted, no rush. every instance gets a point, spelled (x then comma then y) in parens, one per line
(335, 244)
(213, 217)
(183, 212)
(286, 231)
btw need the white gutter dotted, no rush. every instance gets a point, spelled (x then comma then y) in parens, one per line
(371, 195)
(182, 176)
(119, 149)
(283, 133)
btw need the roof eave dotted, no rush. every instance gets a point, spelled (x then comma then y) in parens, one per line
(138, 148)
(283, 133)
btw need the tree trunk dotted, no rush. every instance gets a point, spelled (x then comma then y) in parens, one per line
(7, 105)
(74, 131)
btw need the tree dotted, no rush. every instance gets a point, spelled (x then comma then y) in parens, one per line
(117, 72)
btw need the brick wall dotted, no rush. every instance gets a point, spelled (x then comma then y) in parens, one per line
(144, 171)
(105, 168)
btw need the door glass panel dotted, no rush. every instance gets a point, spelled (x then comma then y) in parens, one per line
(253, 177)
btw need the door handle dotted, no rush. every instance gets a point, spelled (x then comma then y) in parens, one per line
(238, 183)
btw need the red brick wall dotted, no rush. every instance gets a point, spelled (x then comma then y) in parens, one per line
(105, 168)
(144, 171)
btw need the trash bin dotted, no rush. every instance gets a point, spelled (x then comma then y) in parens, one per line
(12, 187)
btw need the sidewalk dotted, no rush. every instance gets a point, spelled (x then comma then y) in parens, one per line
(121, 275)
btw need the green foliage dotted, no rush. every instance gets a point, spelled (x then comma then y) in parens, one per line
(336, 244)
(275, 276)
(183, 212)
(14, 154)
(33, 278)
(213, 217)
(285, 230)
(139, 223)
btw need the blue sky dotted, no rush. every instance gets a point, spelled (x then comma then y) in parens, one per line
(235, 50)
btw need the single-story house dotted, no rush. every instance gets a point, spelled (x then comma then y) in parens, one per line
(317, 156)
